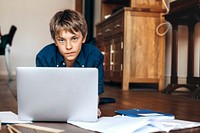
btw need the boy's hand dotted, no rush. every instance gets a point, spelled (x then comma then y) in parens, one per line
(99, 112)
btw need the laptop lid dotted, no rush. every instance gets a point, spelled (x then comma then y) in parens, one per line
(57, 94)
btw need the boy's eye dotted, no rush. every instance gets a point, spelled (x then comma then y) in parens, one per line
(61, 40)
(74, 38)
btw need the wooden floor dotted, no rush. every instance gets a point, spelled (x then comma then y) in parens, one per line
(177, 103)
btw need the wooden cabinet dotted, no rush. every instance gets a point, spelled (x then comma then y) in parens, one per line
(133, 52)
(110, 6)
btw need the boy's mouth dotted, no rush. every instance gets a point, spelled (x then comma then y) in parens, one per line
(70, 53)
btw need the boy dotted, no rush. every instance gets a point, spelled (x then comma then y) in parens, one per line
(69, 30)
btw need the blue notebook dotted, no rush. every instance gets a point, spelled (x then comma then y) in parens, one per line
(144, 113)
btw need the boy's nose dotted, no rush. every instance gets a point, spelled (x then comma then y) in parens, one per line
(68, 45)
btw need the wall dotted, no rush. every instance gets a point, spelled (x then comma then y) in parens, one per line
(97, 12)
(32, 20)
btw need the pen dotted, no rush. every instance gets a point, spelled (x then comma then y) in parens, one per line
(41, 128)
(11, 129)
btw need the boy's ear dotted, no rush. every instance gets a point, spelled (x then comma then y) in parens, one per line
(84, 39)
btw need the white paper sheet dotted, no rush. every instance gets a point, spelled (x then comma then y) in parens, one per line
(167, 125)
(125, 124)
(116, 124)
(8, 117)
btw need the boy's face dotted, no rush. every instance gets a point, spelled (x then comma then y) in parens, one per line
(69, 45)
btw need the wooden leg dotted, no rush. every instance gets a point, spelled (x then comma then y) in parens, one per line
(167, 89)
(172, 87)
(174, 79)
(190, 65)
(196, 94)
(125, 85)
(174, 58)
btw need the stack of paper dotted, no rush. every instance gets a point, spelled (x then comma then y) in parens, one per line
(116, 124)
(121, 123)
(125, 124)
(137, 121)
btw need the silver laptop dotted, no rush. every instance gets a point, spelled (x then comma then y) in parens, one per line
(57, 94)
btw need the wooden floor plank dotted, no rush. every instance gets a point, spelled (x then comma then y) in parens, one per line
(180, 104)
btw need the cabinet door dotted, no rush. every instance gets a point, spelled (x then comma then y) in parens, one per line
(106, 49)
(99, 33)
(116, 53)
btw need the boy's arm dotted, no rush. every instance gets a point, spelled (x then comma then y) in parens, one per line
(100, 79)
(101, 75)
(40, 62)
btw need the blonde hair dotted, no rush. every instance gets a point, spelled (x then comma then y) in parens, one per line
(68, 20)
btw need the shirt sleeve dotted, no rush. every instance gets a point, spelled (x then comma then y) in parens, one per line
(100, 75)
(40, 62)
